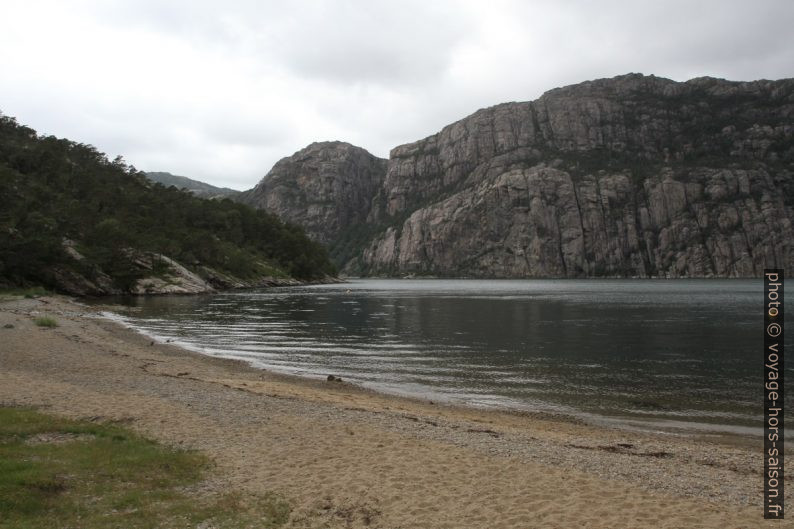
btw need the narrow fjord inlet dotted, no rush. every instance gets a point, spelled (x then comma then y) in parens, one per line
(666, 353)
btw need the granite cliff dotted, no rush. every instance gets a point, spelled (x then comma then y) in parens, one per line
(631, 176)
(326, 188)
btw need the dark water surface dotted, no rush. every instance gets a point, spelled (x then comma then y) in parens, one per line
(666, 350)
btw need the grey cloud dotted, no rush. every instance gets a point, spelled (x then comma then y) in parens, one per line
(380, 42)
(221, 90)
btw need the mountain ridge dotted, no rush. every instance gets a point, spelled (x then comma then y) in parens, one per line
(631, 176)
(197, 187)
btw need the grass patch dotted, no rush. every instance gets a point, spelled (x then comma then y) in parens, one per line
(57, 472)
(28, 293)
(34, 292)
(45, 321)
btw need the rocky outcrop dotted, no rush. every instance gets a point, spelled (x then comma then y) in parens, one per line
(77, 283)
(632, 176)
(68, 280)
(156, 274)
(326, 188)
(166, 276)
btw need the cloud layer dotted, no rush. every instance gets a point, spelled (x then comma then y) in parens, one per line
(221, 91)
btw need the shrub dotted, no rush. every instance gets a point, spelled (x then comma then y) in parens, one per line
(45, 321)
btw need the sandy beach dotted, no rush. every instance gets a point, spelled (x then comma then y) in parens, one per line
(348, 457)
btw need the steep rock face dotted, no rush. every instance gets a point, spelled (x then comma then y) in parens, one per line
(631, 176)
(326, 188)
(539, 222)
(634, 117)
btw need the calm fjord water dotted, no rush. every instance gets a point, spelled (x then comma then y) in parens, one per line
(667, 350)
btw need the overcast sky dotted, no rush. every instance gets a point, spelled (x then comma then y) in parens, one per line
(220, 90)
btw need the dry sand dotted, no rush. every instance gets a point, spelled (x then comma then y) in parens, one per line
(347, 457)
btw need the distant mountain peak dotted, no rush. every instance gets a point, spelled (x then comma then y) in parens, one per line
(196, 187)
(326, 187)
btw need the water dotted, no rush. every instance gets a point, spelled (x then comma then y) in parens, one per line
(674, 352)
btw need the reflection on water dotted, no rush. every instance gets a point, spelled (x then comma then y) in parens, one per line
(678, 350)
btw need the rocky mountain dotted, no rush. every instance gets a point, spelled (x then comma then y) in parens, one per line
(200, 189)
(634, 176)
(326, 188)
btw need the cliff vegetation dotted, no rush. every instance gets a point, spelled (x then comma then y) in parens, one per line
(72, 220)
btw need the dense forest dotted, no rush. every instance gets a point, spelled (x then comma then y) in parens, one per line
(65, 206)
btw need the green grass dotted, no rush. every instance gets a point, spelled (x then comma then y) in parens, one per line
(61, 473)
(45, 321)
(29, 293)
(34, 292)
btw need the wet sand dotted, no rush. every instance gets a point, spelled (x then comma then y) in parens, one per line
(348, 457)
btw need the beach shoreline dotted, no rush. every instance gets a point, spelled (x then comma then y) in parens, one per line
(346, 456)
(724, 433)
